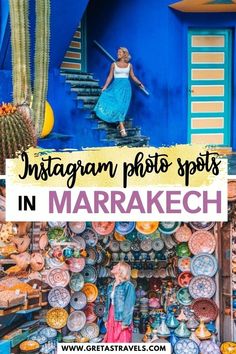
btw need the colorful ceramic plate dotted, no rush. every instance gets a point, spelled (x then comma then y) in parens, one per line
(124, 228)
(197, 225)
(187, 346)
(141, 236)
(202, 286)
(183, 233)
(77, 264)
(202, 241)
(78, 300)
(91, 292)
(99, 309)
(48, 332)
(135, 246)
(77, 227)
(57, 234)
(59, 297)
(228, 348)
(132, 236)
(204, 264)
(89, 312)
(90, 236)
(184, 264)
(157, 244)
(115, 246)
(182, 250)
(90, 330)
(205, 309)
(118, 236)
(103, 228)
(58, 277)
(209, 347)
(92, 256)
(80, 242)
(76, 321)
(146, 245)
(169, 227)
(184, 279)
(184, 297)
(90, 274)
(147, 227)
(76, 282)
(56, 318)
(125, 246)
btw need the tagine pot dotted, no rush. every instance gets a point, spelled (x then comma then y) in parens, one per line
(192, 322)
(202, 332)
(172, 321)
(162, 330)
(182, 331)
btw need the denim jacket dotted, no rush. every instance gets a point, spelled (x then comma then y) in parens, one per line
(124, 301)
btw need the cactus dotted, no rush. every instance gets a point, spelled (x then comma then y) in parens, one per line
(41, 62)
(16, 133)
(20, 42)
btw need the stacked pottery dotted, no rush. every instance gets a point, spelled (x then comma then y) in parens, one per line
(144, 305)
(182, 331)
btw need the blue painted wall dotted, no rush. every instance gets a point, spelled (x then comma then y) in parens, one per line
(157, 39)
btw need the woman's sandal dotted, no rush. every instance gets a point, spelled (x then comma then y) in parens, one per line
(123, 132)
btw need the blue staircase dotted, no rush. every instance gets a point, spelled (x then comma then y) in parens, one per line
(87, 92)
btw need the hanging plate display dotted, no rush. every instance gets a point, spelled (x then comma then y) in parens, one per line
(76, 282)
(204, 264)
(205, 309)
(187, 346)
(90, 274)
(103, 228)
(183, 233)
(146, 245)
(184, 297)
(124, 228)
(135, 246)
(76, 265)
(77, 227)
(197, 225)
(76, 321)
(59, 297)
(147, 227)
(169, 227)
(56, 318)
(90, 236)
(91, 292)
(90, 330)
(57, 234)
(184, 264)
(58, 277)
(202, 242)
(125, 246)
(184, 279)
(202, 286)
(118, 236)
(132, 236)
(92, 256)
(78, 300)
(157, 244)
(115, 246)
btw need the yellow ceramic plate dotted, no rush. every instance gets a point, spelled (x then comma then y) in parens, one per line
(147, 227)
(56, 318)
(29, 345)
(91, 292)
(228, 348)
(134, 273)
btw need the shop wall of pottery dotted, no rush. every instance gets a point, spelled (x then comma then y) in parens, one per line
(59, 272)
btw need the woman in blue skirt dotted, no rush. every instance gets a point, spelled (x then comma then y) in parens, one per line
(113, 104)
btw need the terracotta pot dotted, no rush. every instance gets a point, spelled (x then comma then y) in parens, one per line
(22, 243)
(36, 261)
(43, 240)
(22, 260)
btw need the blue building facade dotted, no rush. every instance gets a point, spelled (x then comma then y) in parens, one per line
(185, 60)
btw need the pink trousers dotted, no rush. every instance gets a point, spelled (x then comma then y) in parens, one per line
(115, 333)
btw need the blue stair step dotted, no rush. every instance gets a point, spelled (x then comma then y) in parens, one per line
(88, 99)
(79, 83)
(134, 132)
(96, 91)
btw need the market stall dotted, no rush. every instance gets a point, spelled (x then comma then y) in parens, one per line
(54, 278)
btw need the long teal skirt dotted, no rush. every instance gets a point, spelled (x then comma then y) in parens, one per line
(113, 104)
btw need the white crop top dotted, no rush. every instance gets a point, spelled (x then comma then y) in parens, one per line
(121, 72)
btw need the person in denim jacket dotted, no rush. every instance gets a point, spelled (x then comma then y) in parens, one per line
(119, 308)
